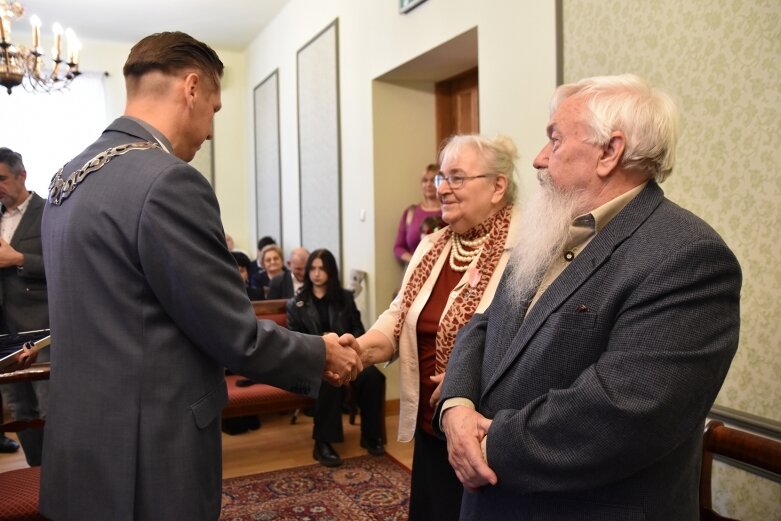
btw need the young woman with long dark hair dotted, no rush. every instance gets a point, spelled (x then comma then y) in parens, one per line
(323, 306)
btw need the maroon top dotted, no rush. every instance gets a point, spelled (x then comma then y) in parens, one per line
(428, 324)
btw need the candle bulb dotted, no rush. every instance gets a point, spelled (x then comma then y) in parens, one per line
(70, 36)
(36, 24)
(57, 29)
(76, 50)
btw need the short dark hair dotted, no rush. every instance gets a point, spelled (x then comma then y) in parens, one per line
(241, 260)
(170, 53)
(13, 160)
(265, 241)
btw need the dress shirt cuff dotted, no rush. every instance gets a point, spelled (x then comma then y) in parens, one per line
(453, 402)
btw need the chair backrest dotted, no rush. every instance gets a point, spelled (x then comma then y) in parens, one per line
(737, 445)
(32, 373)
(271, 310)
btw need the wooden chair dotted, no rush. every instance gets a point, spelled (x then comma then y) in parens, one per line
(271, 398)
(271, 310)
(261, 398)
(20, 487)
(737, 445)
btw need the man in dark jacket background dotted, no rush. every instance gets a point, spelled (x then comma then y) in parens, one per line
(23, 299)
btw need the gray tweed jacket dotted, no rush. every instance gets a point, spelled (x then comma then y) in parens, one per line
(598, 396)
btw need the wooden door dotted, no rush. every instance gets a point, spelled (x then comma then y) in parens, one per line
(457, 106)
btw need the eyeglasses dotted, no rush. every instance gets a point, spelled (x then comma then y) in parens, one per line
(456, 181)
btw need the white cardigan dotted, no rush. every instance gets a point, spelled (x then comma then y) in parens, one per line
(406, 349)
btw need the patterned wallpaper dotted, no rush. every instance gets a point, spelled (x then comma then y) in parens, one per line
(721, 60)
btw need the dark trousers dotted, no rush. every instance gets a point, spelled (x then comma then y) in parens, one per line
(328, 409)
(435, 492)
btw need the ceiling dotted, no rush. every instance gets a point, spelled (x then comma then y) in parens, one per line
(453, 57)
(225, 24)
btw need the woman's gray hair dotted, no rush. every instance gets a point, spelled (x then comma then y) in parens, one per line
(499, 156)
(648, 117)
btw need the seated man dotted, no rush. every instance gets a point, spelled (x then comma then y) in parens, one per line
(289, 282)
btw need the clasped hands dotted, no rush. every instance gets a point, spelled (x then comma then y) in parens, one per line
(465, 429)
(342, 359)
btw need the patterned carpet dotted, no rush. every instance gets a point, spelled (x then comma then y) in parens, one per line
(366, 487)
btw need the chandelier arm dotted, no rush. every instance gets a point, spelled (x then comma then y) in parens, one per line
(26, 66)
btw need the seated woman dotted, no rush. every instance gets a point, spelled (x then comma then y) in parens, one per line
(320, 307)
(271, 260)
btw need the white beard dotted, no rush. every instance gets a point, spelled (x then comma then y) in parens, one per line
(544, 228)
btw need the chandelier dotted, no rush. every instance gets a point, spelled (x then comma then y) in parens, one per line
(25, 66)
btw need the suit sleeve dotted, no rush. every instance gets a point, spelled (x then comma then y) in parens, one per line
(188, 266)
(667, 352)
(33, 266)
(462, 375)
(30, 244)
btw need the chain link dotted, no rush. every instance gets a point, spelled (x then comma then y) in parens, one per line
(60, 188)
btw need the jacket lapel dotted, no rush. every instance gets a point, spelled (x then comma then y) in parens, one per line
(312, 318)
(288, 281)
(598, 251)
(28, 219)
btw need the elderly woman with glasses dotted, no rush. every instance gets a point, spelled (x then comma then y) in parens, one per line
(452, 275)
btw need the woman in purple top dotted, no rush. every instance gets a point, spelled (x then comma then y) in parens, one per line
(408, 236)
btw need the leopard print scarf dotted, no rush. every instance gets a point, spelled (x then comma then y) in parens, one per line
(465, 304)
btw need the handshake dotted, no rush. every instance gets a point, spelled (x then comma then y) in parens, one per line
(342, 359)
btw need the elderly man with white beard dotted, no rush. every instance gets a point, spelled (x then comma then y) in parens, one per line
(582, 391)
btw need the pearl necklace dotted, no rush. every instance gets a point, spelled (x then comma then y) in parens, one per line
(458, 253)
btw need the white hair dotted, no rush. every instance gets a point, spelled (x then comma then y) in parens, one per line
(498, 155)
(648, 117)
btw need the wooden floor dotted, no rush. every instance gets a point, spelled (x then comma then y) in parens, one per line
(276, 445)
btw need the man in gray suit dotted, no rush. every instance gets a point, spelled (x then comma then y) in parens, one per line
(582, 391)
(23, 302)
(148, 308)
